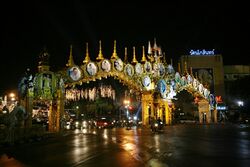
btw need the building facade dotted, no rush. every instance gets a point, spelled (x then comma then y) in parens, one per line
(237, 78)
(208, 69)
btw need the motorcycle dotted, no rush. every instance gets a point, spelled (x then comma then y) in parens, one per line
(157, 127)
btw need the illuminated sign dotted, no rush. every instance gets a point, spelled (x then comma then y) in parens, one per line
(218, 99)
(221, 108)
(202, 52)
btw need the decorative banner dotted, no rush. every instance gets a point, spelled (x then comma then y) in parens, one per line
(189, 79)
(211, 100)
(206, 77)
(170, 69)
(47, 85)
(161, 69)
(162, 88)
(171, 90)
(195, 84)
(177, 77)
(206, 93)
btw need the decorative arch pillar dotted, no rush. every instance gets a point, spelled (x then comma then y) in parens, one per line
(204, 111)
(163, 111)
(153, 108)
(147, 108)
(60, 109)
(56, 112)
(168, 112)
(52, 116)
(27, 103)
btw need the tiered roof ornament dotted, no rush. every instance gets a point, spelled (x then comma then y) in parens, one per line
(100, 55)
(71, 60)
(152, 73)
(87, 58)
(114, 55)
(125, 55)
(155, 53)
(134, 61)
(143, 59)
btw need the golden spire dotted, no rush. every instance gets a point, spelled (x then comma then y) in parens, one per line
(191, 71)
(43, 64)
(196, 75)
(159, 50)
(149, 48)
(185, 68)
(126, 55)
(114, 55)
(155, 47)
(87, 58)
(150, 51)
(100, 56)
(143, 59)
(70, 61)
(164, 58)
(179, 67)
(134, 61)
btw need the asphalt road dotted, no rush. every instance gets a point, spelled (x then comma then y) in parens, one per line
(177, 146)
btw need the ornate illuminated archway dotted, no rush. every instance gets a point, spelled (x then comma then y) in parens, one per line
(155, 81)
(151, 78)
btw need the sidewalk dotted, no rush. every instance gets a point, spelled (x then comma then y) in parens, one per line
(22, 136)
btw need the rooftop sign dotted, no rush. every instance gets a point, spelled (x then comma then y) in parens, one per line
(202, 52)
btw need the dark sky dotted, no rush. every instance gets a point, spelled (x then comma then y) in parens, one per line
(26, 28)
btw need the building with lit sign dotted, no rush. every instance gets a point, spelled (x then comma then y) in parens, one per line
(206, 66)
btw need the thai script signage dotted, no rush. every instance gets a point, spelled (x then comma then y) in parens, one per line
(202, 52)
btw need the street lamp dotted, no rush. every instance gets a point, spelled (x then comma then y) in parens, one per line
(126, 104)
(10, 101)
(240, 103)
(77, 112)
(12, 97)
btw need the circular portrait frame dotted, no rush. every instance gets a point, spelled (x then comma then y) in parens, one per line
(91, 68)
(75, 73)
(118, 64)
(106, 65)
(129, 70)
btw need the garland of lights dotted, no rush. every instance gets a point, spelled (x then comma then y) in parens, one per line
(90, 94)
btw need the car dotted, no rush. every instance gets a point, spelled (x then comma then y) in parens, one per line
(104, 123)
(80, 124)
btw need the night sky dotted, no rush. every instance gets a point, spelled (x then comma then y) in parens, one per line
(26, 28)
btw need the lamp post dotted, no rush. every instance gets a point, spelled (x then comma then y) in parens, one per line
(11, 101)
(77, 112)
(12, 96)
(240, 103)
(126, 104)
(240, 106)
